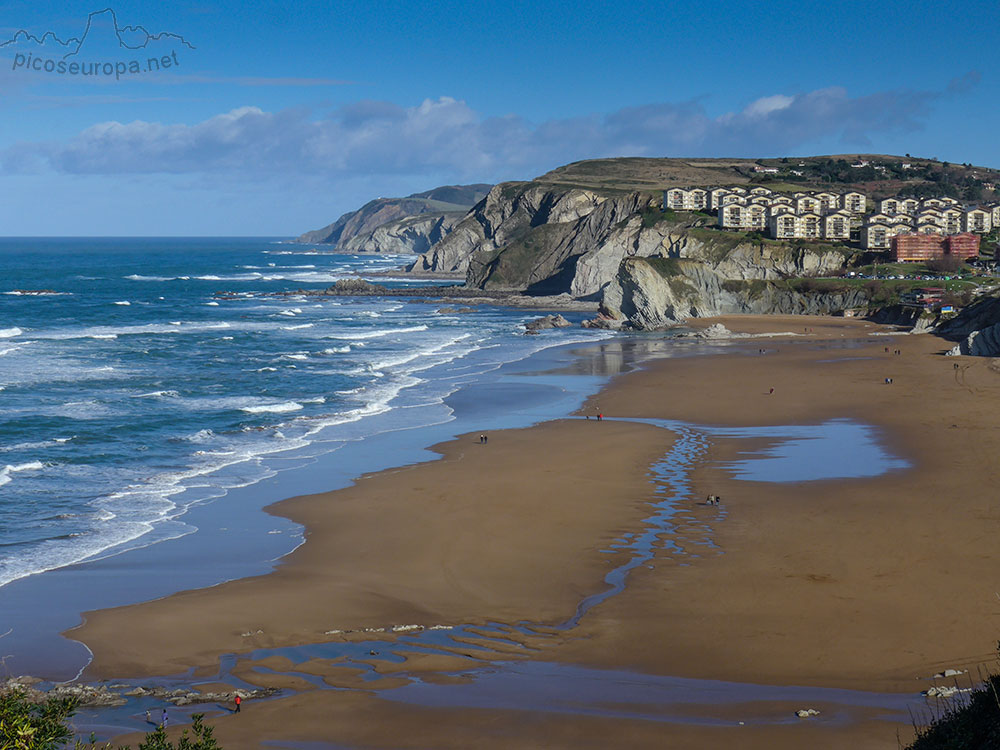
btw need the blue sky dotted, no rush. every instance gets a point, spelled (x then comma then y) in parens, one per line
(273, 120)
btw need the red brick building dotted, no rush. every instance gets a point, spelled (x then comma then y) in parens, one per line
(917, 247)
(965, 245)
(921, 247)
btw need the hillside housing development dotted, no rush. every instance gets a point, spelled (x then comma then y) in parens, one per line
(839, 216)
(938, 216)
(822, 215)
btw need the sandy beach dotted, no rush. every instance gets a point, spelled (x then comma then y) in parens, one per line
(866, 584)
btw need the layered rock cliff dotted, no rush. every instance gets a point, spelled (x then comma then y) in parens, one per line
(542, 239)
(411, 234)
(399, 225)
(505, 220)
(650, 293)
(976, 329)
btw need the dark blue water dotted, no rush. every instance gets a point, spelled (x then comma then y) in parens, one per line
(142, 377)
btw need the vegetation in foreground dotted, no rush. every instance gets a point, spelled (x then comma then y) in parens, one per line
(973, 724)
(25, 725)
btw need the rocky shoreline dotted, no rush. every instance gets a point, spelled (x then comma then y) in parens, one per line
(452, 294)
(88, 696)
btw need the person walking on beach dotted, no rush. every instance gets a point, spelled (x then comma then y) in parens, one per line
(163, 719)
(600, 417)
(770, 392)
(239, 701)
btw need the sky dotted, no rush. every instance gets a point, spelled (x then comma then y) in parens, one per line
(263, 119)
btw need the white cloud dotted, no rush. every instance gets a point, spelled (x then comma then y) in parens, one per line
(768, 104)
(446, 137)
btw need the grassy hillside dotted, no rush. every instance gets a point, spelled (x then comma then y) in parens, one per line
(883, 176)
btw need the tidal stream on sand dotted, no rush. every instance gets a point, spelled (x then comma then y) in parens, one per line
(506, 668)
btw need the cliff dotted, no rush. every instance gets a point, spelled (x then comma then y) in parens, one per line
(536, 238)
(595, 231)
(399, 225)
(976, 329)
(505, 219)
(651, 293)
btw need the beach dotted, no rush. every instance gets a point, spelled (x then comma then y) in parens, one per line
(868, 584)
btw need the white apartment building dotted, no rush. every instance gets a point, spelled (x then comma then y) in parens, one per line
(856, 203)
(695, 199)
(889, 206)
(715, 197)
(928, 216)
(878, 236)
(977, 220)
(783, 225)
(837, 226)
(806, 204)
(751, 217)
(951, 219)
(828, 201)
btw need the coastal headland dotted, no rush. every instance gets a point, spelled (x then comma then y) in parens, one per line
(866, 585)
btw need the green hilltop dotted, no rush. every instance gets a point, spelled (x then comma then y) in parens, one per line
(877, 175)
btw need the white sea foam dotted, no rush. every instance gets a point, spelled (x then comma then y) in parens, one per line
(123, 303)
(297, 357)
(424, 355)
(281, 408)
(173, 328)
(362, 336)
(35, 293)
(9, 333)
(33, 445)
(6, 471)
(146, 511)
(86, 409)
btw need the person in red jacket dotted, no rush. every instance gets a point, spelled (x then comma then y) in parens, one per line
(239, 701)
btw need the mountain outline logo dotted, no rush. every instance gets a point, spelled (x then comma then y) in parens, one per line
(123, 34)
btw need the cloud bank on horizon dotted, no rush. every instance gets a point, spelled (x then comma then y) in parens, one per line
(445, 136)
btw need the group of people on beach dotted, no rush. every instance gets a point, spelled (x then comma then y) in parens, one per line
(713, 500)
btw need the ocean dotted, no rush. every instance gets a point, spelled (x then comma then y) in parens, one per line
(143, 378)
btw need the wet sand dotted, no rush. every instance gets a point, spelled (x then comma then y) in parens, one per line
(867, 584)
(496, 532)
